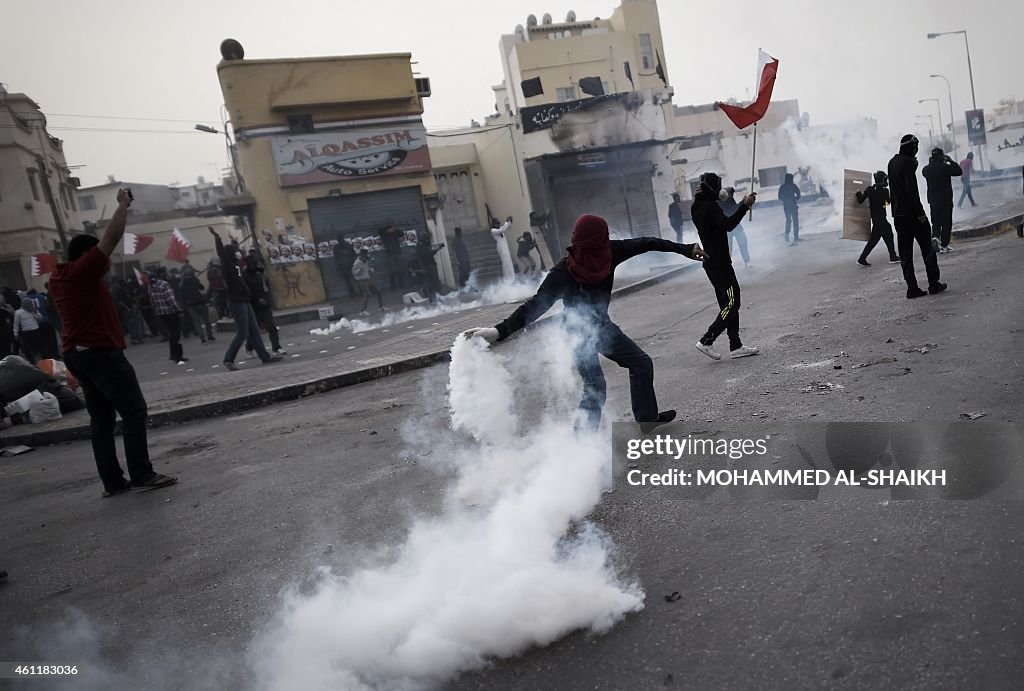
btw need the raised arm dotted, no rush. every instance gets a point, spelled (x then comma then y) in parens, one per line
(624, 250)
(115, 229)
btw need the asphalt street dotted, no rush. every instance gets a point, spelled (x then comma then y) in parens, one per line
(166, 589)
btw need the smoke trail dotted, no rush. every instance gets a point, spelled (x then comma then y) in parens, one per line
(494, 573)
(496, 293)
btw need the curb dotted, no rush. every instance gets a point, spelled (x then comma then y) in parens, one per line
(291, 392)
(997, 228)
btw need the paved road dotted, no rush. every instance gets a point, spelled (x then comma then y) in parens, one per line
(172, 585)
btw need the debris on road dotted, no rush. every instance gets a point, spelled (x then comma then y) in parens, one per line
(972, 416)
(15, 450)
(920, 349)
(869, 363)
(673, 597)
(889, 340)
(821, 387)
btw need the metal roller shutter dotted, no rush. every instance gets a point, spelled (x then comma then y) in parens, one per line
(602, 195)
(363, 216)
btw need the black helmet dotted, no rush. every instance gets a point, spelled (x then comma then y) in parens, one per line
(881, 179)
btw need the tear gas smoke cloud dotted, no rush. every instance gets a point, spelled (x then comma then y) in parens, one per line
(496, 293)
(495, 573)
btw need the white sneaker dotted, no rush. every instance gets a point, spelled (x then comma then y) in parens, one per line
(364, 313)
(385, 309)
(947, 249)
(707, 350)
(744, 351)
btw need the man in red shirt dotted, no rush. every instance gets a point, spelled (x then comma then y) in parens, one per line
(94, 352)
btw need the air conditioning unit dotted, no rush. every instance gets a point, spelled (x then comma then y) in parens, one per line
(423, 87)
(74, 182)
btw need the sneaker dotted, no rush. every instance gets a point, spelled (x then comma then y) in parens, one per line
(936, 288)
(385, 309)
(707, 350)
(364, 313)
(155, 482)
(895, 260)
(230, 366)
(280, 351)
(212, 338)
(947, 249)
(744, 351)
(276, 357)
(863, 262)
(249, 352)
(915, 293)
(664, 416)
(182, 361)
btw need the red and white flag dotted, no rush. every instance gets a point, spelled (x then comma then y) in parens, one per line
(767, 68)
(178, 249)
(43, 263)
(133, 244)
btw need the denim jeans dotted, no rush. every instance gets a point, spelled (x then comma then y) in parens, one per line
(617, 347)
(110, 386)
(245, 327)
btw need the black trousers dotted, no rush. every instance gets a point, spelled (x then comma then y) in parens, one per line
(727, 291)
(110, 387)
(33, 345)
(172, 322)
(396, 277)
(617, 347)
(942, 222)
(880, 230)
(908, 231)
(792, 219)
(265, 318)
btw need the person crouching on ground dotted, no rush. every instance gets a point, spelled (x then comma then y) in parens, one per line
(583, 281)
(94, 352)
(713, 227)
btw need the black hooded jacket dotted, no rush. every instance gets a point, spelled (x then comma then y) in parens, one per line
(713, 227)
(939, 174)
(877, 197)
(589, 300)
(906, 199)
(231, 271)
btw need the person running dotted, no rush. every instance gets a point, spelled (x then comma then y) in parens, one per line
(789, 195)
(877, 196)
(241, 309)
(94, 352)
(729, 206)
(910, 219)
(713, 227)
(939, 174)
(583, 282)
(362, 272)
(967, 168)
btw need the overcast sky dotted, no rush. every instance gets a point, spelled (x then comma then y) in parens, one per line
(842, 60)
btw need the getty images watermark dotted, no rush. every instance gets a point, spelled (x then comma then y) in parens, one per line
(834, 460)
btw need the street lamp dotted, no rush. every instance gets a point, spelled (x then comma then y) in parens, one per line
(970, 73)
(937, 109)
(931, 136)
(952, 117)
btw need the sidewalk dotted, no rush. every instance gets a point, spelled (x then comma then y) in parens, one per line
(411, 346)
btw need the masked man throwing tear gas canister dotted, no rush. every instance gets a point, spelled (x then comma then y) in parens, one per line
(714, 227)
(583, 281)
(911, 222)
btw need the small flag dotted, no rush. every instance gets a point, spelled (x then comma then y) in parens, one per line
(592, 86)
(531, 87)
(43, 263)
(767, 68)
(660, 70)
(142, 278)
(133, 244)
(629, 73)
(178, 249)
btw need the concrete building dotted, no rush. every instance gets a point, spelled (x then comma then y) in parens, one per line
(201, 195)
(96, 204)
(160, 225)
(331, 149)
(37, 191)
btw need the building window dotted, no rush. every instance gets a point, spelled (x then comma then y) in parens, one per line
(771, 177)
(33, 185)
(604, 87)
(300, 124)
(88, 202)
(64, 197)
(646, 52)
(565, 93)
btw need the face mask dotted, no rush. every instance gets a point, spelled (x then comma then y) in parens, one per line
(238, 255)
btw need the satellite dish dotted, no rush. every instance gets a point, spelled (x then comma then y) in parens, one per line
(520, 31)
(531, 21)
(547, 18)
(230, 49)
(571, 17)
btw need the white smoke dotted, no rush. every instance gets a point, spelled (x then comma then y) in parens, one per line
(491, 576)
(496, 293)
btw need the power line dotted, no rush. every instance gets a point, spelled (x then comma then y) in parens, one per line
(107, 129)
(118, 117)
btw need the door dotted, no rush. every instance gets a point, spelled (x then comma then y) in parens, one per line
(455, 188)
(358, 219)
(630, 214)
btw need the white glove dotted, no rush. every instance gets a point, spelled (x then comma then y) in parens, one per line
(488, 333)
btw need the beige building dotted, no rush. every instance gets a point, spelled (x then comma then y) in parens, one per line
(37, 191)
(97, 204)
(331, 150)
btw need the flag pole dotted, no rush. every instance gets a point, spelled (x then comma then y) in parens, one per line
(753, 159)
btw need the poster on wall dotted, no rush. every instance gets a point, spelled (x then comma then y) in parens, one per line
(856, 216)
(388, 149)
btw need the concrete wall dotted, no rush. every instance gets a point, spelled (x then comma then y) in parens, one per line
(194, 228)
(149, 199)
(706, 117)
